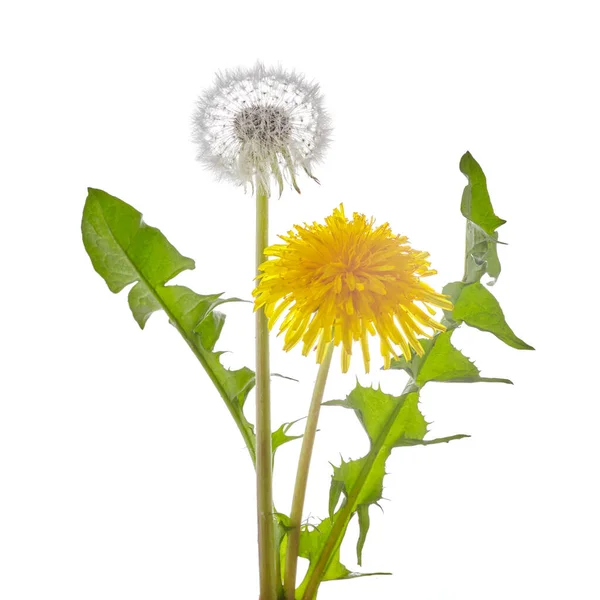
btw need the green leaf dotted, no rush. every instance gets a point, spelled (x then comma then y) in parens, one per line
(441, 361)
(476, 204)
(481, 255)
(124, 250)
(385, 415)
(280, 436)
(285, 377)
(475, 305)
(335, 493)
(364, 522)
(311, 546)
(282, 527)
(390, 422)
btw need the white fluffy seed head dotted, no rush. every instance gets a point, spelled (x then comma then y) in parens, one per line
(259, 123)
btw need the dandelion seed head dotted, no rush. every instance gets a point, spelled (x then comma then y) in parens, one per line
(261, 123)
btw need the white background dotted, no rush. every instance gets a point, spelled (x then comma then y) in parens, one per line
(121, 473)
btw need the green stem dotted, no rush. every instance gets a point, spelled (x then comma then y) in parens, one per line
(264, 460)
(308, 441)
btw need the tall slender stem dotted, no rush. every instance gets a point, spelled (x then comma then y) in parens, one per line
(308, 441)
(264, 468)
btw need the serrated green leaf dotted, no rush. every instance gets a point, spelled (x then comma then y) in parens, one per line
(311, 546)
(441, 361)
(383, 413)
(475, 305)
(414, 364)
(285, 377)
(348, 473)
(280, 436)
(335, 493)
(212, 325)
(445, 363)
(481, 254)
(390, 422)
(125, 250)
(364, 522)
(334, 403)
(476, 204)
(282, 527)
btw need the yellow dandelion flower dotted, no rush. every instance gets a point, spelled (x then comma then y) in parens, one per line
(345, 280)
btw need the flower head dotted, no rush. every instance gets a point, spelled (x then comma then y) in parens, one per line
(344, 280)
(257, 123)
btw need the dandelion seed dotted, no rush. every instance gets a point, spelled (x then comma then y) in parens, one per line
(345, 280)
(259, 123)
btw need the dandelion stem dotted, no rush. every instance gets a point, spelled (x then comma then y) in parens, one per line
(308, 441)
(264, 468)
